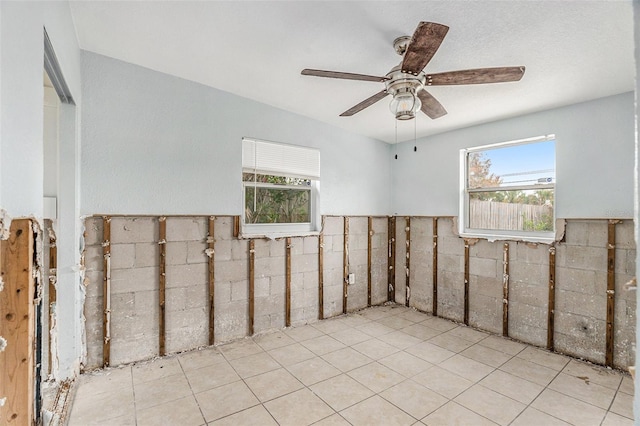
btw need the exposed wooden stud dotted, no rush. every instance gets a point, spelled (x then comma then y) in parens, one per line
(611, 290)
(552, 298)
(53, 292)
(287, 297)
(435, 267)
(106, 291)
(211, 270)
(321, 276)
(466, 281)
(252, 259)
(162, 241)
(407, 231)
(369, 249)
(236, 226)
(345, 264)
(17, 325)
(505, 290)
(391, 262)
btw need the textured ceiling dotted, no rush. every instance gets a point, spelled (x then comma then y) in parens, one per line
(573, 51)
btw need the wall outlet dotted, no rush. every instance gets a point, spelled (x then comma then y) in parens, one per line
(352, 279)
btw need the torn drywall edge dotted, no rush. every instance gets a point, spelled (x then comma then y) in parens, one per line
(5, 224)
(53, 340)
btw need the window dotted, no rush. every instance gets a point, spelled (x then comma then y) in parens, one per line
(509, 190)
(280, 187)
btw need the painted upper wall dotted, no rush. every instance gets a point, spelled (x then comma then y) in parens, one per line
(158, 144)
(21, 95)
(594, 160)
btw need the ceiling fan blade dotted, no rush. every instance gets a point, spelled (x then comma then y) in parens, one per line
(343, 75)
(476, 76)
(364, 104)
(430, 105)
(423, 45)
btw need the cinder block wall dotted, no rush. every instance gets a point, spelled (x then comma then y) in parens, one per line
(135, 269)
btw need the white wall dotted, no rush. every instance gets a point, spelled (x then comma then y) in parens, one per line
(158, 144)
(21, 145)
(594, 160)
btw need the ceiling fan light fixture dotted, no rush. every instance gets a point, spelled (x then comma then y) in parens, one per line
(405, 104)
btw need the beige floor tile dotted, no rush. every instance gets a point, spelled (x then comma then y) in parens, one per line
(291, 354)
(313, 370)
(613, 419)
(623, 405)
(529, 371)
(298, 408)
(444, 382)
(466, 367)
(240, 348)
(211, 377)
(414, 316)
(254, 416)
(512, 386)
(375, 348)
(568, 409)
(414, 398)
(331, 325)
(370, 411)
(450, 342)
(322, 345)
(102, 408)
(396, 322)
(351, 336)
(341, 391)
(126, 420)
(399, 339)
(346, 359)
(469, 334)
(421, 331)
(273, 340)
(225, 400)
(439, 324)
(376, 376)
(374, 329)
(591, 393)
(104, 381)
(253, 365)
(533, 417)
(594, 373)
(184, 412)
(355, 319)
(545, 358)
(197, 359)
(405, 364)
(430, 352)
(627, 385)
(452, 414)
(334, 420)
(303, 333)
(273, 384)
(374, 313)
(503, 344)
(156, 369)
(149, 394)
(492, 405)
(486, 355)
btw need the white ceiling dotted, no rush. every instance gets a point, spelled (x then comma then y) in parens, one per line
(573, 51)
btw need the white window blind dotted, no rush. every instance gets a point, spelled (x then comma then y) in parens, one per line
(278, 159)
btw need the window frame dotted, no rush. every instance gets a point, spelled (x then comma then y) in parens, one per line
(496, 234)
(279, 230)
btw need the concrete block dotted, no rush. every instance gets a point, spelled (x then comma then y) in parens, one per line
(195, 252)
(451, 245)
(310, 280)
(176, 253)
(227, 250)
(625, 261)
(597, 233)
(233, 270)
(197, 296)
(580, 337)
(485, 312)
(532, 295)
(134, 230)
(446, 228)
(262, 248)
(333, 226)
(147, 254)
(359, 242)
(187, 228)
(270, 266)
(93, 258)
(93, 231)
(240, 290)
(451, 262)
(379, 225)
(489, 287)
(137, 279)
(261, 286)
(94, 282)
(593, 258)
(577, 232)
(528, 323)
(179, 340)
(127, 351)
(577, 280)
(297, 246)
(422, 228)
(310, 245)
(484, 267)
(327, 243)
(187, 275)
(338, 243)
(304, 263)
(277, 285)
(222, 294)
(231, 321)
(122, 304)
(588, 305)
(625, 238)
(297, 282)
(223, 228)
(486, 249)
(529, 253)
(531, 273)
(270, 305)
(186, 319)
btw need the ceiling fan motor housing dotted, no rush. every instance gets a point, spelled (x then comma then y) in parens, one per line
(404, 88)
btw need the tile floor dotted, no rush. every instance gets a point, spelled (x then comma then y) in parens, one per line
(386, 365)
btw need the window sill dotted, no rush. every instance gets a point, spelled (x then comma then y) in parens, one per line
(276, 235)
(507, 237)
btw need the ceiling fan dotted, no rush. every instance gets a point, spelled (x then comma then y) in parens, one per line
(407, 81)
